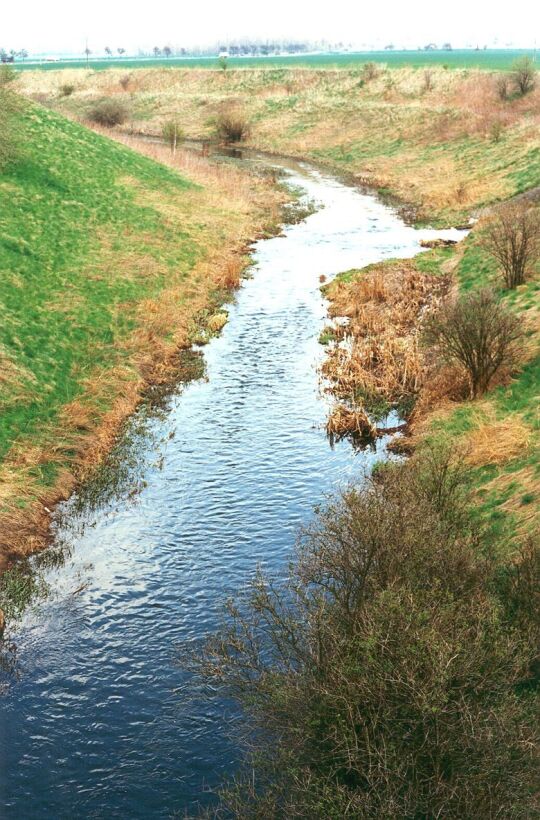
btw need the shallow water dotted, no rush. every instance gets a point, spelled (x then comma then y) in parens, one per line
(100, 720)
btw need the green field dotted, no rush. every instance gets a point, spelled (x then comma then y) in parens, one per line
(489, 59)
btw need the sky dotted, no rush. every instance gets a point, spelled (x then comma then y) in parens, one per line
(43, 26)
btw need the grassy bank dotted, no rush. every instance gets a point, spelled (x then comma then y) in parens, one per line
(443, 141)
(499, 434)
(110, 262)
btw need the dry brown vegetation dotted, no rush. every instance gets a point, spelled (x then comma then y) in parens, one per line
(227, 210)
(512, 237)
(377, 355)
(429, 145)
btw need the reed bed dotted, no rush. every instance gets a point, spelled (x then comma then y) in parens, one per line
(376, 358)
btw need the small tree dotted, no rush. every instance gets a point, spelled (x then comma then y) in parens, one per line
(428, 80)
(232, 126)
(167, 51)
(121, 51)
(109, 112)
(108, 51)
(172, 134)
(157, 51)
(369, 71)
(524, 75)
(513, 239)
(477, 332)
(502, 85)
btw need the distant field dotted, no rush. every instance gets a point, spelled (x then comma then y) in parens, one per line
(465, 58)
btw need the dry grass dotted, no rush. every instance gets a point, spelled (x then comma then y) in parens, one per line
(229, 209)
(432, 147)
(497, 441)
(376, 355)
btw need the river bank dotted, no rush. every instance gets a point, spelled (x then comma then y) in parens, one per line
(436, 139)
(376, 363)
(115, 263)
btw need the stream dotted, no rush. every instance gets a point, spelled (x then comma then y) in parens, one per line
(99, 719)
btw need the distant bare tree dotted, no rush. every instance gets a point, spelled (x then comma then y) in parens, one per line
(369, 71)
(121, 51)
(524, 75)
(172, 133)
(157, 51)
(167, 51)
(477, 332)
(428, 80)
(503, 87)
(512, 237)
(108, 51)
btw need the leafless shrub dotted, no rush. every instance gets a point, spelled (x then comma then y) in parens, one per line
(524, 75)
(512, 237)
(125, 81)
(383, 678)
(232, 126)
(496, 130)
(503, 87)
(461, 192)
(369, 71)
(109, 112)
(479, 333)
(172, 134)
(428, 84)
(66, 89)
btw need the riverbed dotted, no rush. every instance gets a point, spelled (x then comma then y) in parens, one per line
(99, 719)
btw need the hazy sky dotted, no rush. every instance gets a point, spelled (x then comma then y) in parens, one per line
(52, 25)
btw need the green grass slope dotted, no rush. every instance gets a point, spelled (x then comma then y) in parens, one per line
(108, 260)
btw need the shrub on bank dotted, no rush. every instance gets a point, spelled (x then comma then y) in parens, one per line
(109, 112)
(393, 674)
(232, 126)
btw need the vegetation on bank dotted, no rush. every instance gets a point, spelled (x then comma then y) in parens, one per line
(110, 261)
(438, 140)
(395, 672)
(390, 362)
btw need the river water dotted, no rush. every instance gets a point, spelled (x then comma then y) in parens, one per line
(99, 721)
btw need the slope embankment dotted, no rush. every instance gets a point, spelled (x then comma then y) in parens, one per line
(111, 263)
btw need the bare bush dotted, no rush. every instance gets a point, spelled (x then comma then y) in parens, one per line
(512, 237)
(66, 89)
(524, 75)
(232, 126)
(428, 84)
(503, 87)
(383, 678)
(496, 130)
(109, 112)
(172, 134)
(125, 81)
(477, 332)
(369, 71)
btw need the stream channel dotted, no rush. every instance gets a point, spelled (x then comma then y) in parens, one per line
(97, 718)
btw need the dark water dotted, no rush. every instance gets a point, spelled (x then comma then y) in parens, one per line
(99, 723)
